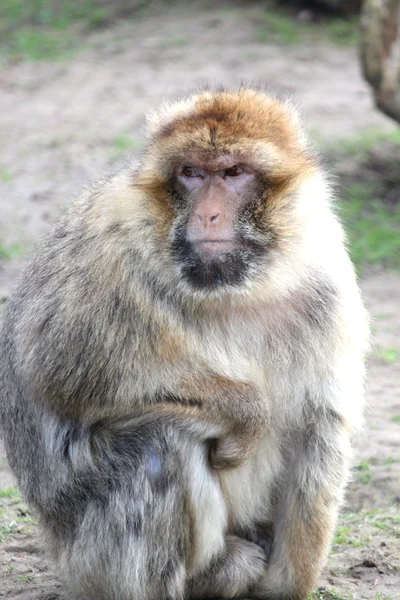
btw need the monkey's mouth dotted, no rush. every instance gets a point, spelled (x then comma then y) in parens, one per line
(213, 247)
(210, 264)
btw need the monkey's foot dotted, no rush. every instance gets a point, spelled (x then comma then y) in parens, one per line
(231, 574)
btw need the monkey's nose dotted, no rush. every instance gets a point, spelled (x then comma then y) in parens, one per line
(207, 218)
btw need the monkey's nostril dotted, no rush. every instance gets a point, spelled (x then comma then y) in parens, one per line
(207, 219)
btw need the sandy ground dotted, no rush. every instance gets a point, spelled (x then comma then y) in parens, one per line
(61, 124)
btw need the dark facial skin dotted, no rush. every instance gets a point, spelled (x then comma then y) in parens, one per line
(214, 241)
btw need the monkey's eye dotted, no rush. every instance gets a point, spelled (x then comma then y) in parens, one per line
(189, 171)
(234, 171)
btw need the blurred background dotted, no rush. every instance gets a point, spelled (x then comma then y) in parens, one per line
(76, 80)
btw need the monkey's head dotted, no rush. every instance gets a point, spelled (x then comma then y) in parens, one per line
(232, 164)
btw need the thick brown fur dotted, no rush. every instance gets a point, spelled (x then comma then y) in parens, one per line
(179, 438)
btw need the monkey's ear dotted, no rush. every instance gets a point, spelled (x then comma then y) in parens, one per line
(292, 114)
(296, 120)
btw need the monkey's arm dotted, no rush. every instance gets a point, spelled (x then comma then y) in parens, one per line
(235, 417)
(309, 495)
(231, 415)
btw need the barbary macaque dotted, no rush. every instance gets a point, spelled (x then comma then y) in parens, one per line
(182, 364)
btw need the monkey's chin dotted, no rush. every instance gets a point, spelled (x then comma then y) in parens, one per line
(216, 272)
(205, 270)
(222, 265)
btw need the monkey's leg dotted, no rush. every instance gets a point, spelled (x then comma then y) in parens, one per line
(128, 510)
(121, 524)
(186, 513)
(132, 510)
(310, 492)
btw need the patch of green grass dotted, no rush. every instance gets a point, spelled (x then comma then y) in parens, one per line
(357, 144)
(124, 143)
(344, 536)
(9, 252)
(26, 578)
(27, 520)
(54, 13)
(382, 526)
(372, 227)
(11, 492)
(5, 174)
(376, 461)
(379, 316)
(361, 143)
(396, 419)
(388, 356)
(41, 45)
(356, 529)
(324, 594)
(343, 32)
(365, 476)
(281, 27)
(46, 29)
(7, 529)
(25, 516)
(175, 42)
(391, 460)
(16, 517)
(276, 25)
(373, 230)
(388, 521)
(364, 465)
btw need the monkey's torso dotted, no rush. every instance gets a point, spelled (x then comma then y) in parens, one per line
(80, 339)
(86, 344)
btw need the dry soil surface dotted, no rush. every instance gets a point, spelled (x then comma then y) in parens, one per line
(63, 123)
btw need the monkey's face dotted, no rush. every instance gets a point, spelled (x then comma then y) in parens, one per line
(218, 204)
(225, 171)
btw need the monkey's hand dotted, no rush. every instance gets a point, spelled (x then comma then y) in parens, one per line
(231, 416)
(241, 439)
(230, 451)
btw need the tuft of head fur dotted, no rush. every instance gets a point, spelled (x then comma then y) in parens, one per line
(246, 123)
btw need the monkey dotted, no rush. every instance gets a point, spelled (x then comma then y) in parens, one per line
(182, 363)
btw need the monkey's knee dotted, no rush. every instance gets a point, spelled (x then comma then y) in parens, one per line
(130, 535)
